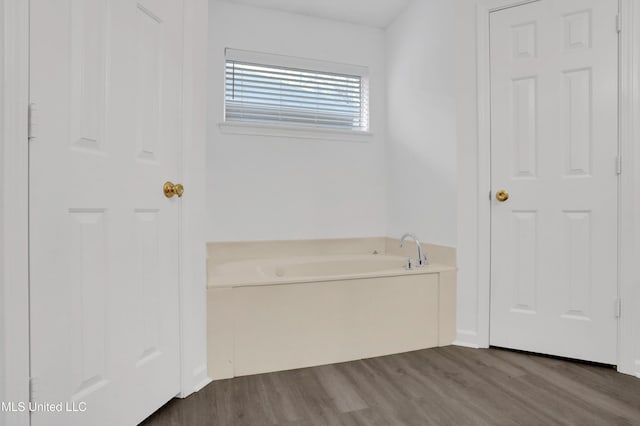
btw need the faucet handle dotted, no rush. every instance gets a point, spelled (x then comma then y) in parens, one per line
(423, 260)
(408, 266)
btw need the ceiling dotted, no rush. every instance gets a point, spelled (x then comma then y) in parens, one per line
(375, 13)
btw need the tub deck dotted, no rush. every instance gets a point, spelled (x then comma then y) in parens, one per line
(301, 269)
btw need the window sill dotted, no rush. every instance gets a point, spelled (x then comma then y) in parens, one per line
(293, 132)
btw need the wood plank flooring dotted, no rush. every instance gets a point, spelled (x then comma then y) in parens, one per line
(441, 386)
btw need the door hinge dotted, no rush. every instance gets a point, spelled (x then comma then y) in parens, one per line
(619, 165)
(618, 23)
(32, 122)
(618, 307)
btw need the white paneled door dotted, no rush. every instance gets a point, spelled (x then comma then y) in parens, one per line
(106, 86)
(554, 147)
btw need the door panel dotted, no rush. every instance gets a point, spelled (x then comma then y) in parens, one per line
(106, 79)
(554, 147)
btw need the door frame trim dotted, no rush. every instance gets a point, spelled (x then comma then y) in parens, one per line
(629, 180)
(14, 279)
(14, 192)
(629, 197)
(193, 247)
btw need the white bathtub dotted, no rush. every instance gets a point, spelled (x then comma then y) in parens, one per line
(283, 313)
(309, 269)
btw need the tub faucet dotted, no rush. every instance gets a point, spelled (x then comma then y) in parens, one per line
(422, 259)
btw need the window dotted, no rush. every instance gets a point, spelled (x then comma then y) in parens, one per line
(276, 90)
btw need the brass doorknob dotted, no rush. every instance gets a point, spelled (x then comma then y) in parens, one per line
(170, 189)
(502, 195)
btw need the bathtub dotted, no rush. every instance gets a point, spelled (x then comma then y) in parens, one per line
(272, 314)
(309, 269)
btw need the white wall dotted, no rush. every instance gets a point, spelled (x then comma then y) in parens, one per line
(264, 188)
(421, 122)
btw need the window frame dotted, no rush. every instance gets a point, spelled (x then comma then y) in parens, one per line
(291, 130)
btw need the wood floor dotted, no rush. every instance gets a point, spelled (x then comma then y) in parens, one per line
(441, 386)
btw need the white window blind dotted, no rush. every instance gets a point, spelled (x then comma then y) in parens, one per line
(275, 94)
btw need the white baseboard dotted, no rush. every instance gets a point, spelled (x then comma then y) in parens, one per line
(200, 377)
(201, 384)
(465, 344)
(467, 339)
